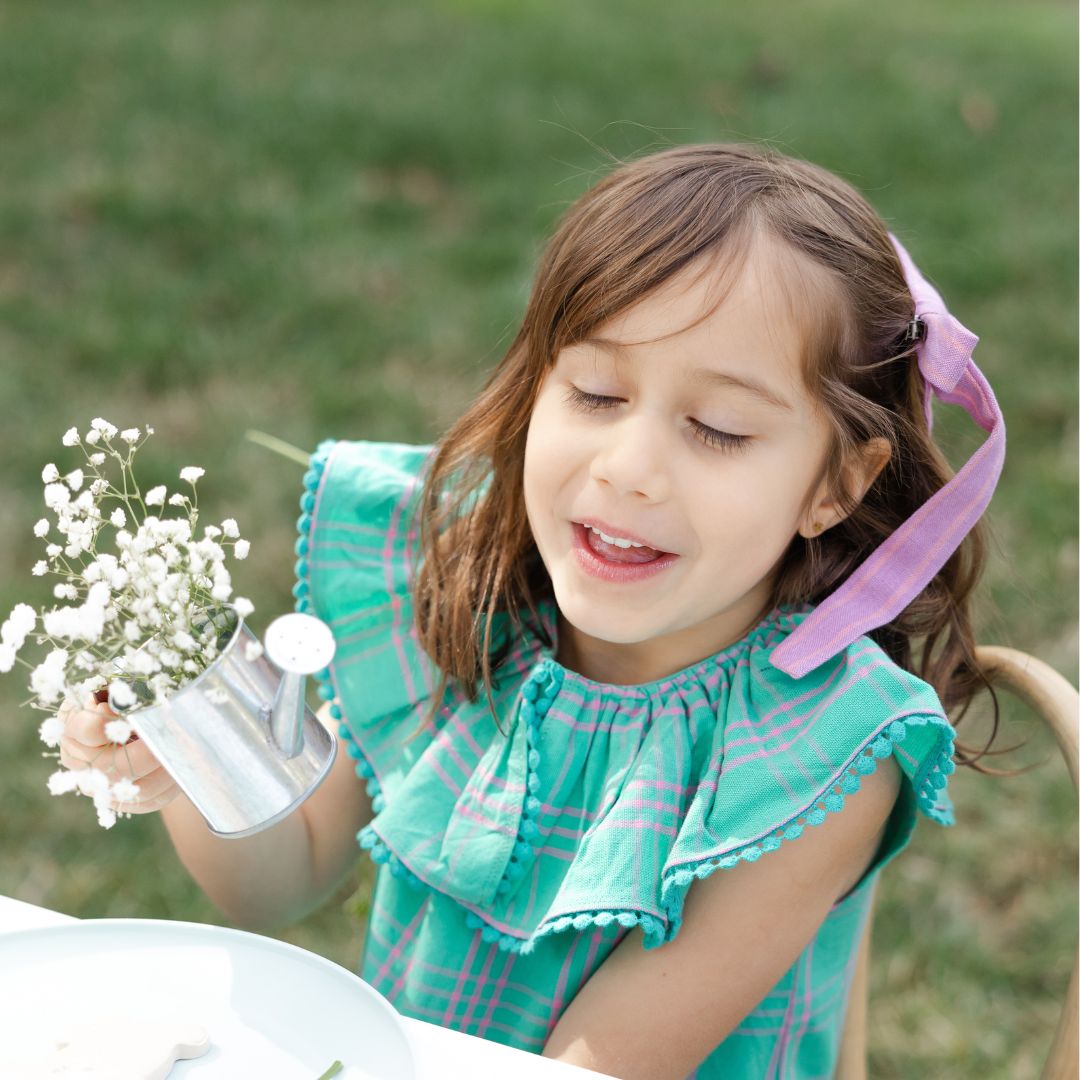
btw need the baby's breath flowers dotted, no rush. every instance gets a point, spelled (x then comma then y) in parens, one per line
(141, 620)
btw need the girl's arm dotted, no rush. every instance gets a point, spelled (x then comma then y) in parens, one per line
(279, 875)
(657, 1014)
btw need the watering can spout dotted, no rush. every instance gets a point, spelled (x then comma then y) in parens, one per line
(299, 645)
(287, 714)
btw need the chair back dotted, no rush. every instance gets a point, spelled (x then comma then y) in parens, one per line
(1056, 700)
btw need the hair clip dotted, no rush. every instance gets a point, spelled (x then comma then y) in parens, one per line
(915, 331)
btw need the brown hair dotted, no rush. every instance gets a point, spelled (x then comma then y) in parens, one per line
(630, 233)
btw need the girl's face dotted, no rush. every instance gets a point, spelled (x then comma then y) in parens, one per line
(702, 443)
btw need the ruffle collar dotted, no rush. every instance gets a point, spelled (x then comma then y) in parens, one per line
(513, 828)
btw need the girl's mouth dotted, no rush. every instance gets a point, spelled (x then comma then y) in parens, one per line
(616, 564)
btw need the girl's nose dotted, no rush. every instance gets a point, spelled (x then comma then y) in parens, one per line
(634, 458)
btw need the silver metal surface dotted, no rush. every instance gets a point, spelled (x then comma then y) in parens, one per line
(218, 738)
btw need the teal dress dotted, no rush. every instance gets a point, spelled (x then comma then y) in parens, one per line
(513, 862)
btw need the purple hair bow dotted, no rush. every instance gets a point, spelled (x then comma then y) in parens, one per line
(897, 571)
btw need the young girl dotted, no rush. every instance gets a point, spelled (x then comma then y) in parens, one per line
(627, 662)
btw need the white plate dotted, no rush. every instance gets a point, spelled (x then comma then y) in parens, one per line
(272, 1011)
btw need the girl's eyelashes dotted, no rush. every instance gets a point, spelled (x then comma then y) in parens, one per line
(724, 440)
(586, 402)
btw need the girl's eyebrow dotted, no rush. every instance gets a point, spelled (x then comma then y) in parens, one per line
(700, 376)
(707, 376)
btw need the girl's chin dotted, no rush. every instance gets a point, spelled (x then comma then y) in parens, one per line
(617, 624)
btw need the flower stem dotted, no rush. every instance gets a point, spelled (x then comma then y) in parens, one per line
(279, 446)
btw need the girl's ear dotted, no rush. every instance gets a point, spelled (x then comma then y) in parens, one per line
(859, 473)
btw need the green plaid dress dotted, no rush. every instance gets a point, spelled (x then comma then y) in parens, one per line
(513, 862)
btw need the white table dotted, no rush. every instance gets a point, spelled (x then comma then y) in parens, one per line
(440, 1053)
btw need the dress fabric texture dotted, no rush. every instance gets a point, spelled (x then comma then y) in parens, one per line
(513, 862)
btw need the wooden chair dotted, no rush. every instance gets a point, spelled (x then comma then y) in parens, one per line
(1058, 703)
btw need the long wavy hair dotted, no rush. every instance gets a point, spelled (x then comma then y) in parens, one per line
(625, 237)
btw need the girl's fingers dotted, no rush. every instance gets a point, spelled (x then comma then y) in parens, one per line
(84, 744)
(87, 726)
(156, 790)
(146, 807)
(74, 755)
(132, 760)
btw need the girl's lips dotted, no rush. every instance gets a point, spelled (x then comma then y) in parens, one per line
(597, 566)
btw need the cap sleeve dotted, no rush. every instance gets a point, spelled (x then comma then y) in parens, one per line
(356, 556)
(792, 751)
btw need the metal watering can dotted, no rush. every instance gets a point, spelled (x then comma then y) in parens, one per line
(239, 739)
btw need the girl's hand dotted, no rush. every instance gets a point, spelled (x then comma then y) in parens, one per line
(84, 744)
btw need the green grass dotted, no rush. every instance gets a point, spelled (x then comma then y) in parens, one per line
(322, 220)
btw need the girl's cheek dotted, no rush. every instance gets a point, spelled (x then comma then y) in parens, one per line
(553, 431)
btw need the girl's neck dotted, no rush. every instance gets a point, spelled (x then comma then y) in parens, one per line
(647, 661)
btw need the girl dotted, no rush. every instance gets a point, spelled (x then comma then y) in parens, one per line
(646, 664)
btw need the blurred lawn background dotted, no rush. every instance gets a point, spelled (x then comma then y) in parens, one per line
(322, 220)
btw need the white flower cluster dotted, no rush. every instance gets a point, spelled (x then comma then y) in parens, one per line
(142, 619)
(13, 633)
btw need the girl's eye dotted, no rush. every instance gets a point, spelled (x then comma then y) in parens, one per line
(723, 439)
(586, 402)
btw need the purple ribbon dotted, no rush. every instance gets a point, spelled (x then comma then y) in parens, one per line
(897, 571)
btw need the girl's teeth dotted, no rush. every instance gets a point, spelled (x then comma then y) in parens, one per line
(613, 540)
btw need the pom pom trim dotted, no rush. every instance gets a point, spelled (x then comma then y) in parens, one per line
(302, 591)
(538, 693)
